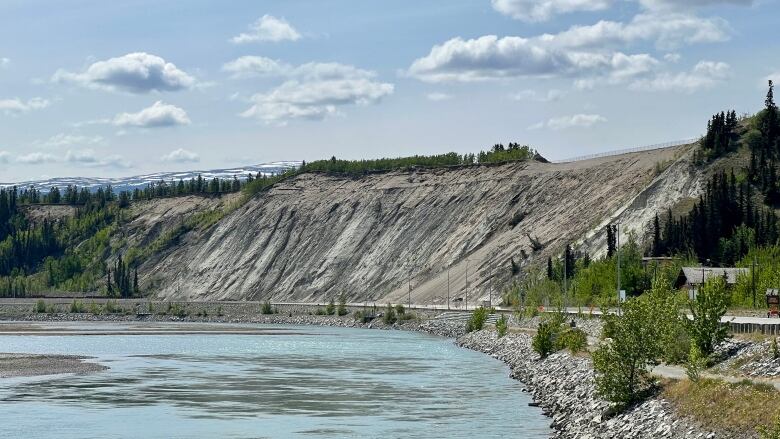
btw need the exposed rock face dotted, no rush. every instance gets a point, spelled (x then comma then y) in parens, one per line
(564, 387)
(317, 236)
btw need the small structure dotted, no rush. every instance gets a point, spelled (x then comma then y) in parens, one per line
(691, 277)
(659, 261)
(773, 302)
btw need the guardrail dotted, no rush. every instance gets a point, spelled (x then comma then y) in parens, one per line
(628, 150)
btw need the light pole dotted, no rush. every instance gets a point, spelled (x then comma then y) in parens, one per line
(410, 288)
(617, 228)
(466, 295)
(448, 288)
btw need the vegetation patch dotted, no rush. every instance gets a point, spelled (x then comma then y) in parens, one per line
(736, 408)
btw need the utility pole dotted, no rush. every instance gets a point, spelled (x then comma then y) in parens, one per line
(565, 275)
(492, 280)
(467, 285)
(753, 275)
(410, 288)
(618, 263)
(448, 288)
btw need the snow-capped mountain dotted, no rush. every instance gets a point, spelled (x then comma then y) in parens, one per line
(139, 181)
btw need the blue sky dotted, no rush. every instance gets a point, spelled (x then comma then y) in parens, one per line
(92, 88)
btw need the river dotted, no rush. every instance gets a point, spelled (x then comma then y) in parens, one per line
(273, 381)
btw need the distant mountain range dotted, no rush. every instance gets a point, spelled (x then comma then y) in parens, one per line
(140, 181)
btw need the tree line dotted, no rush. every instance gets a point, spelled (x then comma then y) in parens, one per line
(735, 213)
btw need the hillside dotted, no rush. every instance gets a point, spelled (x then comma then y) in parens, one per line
(316, 235)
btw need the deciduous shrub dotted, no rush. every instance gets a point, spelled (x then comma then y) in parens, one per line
(77, 307)
(634, 341)
(389, 317)
(543, 342)
(573, 339)
(709, 306)
(330, 308)
(266, 308)
(477, 319)
(502, 324)
(695, 364)
(40, 306)
(342, 308)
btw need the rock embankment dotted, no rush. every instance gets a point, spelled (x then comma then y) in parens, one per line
(563, 386)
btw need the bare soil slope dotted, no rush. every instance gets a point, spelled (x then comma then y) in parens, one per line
(316, 236)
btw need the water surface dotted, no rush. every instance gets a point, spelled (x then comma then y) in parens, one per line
(279, 382)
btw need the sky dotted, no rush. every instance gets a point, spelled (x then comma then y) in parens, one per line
(97, 88)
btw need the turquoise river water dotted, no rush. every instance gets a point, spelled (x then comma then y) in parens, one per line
(277, 382)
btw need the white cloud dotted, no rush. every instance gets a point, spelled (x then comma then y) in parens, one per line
(181, 156)
(689, 4)
(268, 29)
(551, 95)
(79, 157)
(134, 73)
(88, 157)
(36, 158)
(573, 121)
(17, 106)
(248, 66)
(5, 157)
(543, 10)
(61, 140)
(252, 66)
(437, 97)
(4, 62)
(672, 57)
(316, 90)
(706, 74)
(158, 115)
(490, 58)
(667, 30)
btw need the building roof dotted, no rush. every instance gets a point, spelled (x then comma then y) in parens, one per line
(693, 275)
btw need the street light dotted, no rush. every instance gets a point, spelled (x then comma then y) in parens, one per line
(466, 295)
(448, 288)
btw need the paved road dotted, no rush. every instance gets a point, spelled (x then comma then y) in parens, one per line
(426, 307)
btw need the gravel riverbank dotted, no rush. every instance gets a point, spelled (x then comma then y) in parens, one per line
(564, 387)
(28, 365)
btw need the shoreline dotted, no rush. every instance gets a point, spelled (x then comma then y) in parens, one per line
(562, 384)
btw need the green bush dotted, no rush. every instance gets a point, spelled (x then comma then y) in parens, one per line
(407, 316)
(695, 364)
(544, 341)
(709, 306)
(574, 339)
(266, 308)
(77, 307)
(111, 307)
(40, 306)
(94, 308)
(635, 341)
(330, 308)
(389, 317)
(477, 320)
(400, 310)
(502, 325)
(342, 308)
(177, 310)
